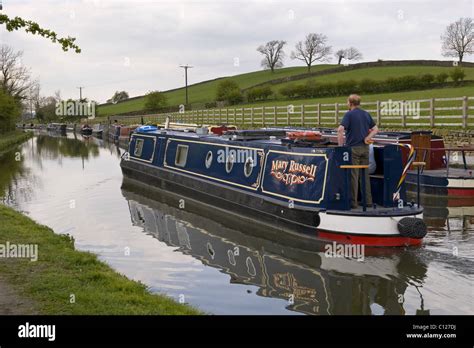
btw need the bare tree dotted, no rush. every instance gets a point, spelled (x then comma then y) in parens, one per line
(313, 49)
(15, 78)
(458, 39)
(353, 53)
(273, 54)
(340, 54)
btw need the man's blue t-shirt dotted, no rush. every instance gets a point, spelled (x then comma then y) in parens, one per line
(357, 123)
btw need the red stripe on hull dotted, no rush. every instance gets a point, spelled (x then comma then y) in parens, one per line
(394, 241)
(461, 192)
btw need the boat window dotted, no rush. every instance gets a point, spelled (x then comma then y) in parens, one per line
(208, 159)
(229, 164)
(248, 168)
(137, 152)
(181, 155)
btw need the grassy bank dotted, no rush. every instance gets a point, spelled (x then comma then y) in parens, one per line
(13, 138)
(61, 271)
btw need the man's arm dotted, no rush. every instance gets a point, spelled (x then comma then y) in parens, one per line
(340, 135)
(372, 134)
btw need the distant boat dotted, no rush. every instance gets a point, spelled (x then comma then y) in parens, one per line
(86, 130)
(98, 130)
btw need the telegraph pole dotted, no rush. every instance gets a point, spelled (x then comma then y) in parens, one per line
(80, 93)
(186, 67)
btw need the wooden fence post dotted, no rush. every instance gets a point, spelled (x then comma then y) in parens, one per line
(432, 112)
(319, 114)
(404, 118)
(379, 120)
(263, 116)
(465, 111)
(251, 117)
(288, 114)
(302, 115)
(336, 113)
(274, 116)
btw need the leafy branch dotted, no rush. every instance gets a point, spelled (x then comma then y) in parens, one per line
(34, 28)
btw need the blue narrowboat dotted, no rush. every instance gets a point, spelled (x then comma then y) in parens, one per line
(301, 186)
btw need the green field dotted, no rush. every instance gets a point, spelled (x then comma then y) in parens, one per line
(206, 91)
(377, 73)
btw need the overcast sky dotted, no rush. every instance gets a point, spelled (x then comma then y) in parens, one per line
(138, 46)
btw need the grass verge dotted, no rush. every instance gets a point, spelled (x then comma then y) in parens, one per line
(7, 140)
(62, 272)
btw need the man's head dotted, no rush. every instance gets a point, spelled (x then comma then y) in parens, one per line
(353, 101)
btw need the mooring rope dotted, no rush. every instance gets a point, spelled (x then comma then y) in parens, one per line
(411, 158)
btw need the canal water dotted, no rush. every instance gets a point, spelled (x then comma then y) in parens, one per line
(75, 186)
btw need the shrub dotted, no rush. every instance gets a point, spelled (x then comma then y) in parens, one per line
(457, 75)
(210, 105)
(234, 97)
(369, 86)
(154, 101)
(427, 79)
(441, 77)
(228, 91)
(259, 93)
(345, 87)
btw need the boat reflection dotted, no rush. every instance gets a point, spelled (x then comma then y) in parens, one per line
(307, 280)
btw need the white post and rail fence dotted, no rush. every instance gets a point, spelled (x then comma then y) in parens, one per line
(434, 112)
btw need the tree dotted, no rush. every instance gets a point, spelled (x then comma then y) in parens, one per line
(458, 39)
(313, 49)
(9, 112)
(350, 53)
(31, 27)
(118, 97)
(273, 54)
(155, 100)
(353, 53)
(15, 78)
(340, 54)
(229, 91)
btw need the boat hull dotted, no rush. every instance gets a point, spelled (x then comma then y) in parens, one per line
(321, 226)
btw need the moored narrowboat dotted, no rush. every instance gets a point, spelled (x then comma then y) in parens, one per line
(299, 186)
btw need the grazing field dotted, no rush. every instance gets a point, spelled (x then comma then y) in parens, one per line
(378, 74)
(206, 91)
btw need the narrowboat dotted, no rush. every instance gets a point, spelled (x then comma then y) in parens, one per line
(86, 130)
(445, 173)
(300, 187)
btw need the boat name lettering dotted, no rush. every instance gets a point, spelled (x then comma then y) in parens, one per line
(292, 172)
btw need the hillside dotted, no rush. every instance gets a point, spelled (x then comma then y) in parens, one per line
(204, 92)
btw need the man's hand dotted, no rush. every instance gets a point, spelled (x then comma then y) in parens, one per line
(368, 139)
(340, 135)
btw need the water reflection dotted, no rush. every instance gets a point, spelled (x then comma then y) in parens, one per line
(309, 281)
(62, 146)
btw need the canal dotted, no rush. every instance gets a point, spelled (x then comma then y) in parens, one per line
(75, 186)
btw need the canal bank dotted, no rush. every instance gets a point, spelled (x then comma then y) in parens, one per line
(8, 140)
(50, 277)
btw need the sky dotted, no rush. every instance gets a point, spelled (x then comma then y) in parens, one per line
(138, 46)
